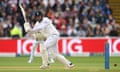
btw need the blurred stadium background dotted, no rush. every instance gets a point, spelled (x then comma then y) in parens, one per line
(84, 25)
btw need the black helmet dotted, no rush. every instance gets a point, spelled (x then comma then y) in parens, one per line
(38, 13)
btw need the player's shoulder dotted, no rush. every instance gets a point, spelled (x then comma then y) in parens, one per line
(46, 20)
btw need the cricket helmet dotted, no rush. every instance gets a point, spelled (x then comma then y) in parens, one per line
(38, 13)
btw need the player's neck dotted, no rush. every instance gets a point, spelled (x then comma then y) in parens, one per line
(40, 20)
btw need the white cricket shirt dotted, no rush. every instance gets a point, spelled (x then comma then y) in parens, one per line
(45, 27)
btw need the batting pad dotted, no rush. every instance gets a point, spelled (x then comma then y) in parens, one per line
(44, 54)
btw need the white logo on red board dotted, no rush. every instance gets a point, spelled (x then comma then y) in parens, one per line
(116, 46)
(74, 46)
(25, 47)
(70, 46)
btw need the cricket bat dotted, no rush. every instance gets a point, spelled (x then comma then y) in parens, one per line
(27, 26)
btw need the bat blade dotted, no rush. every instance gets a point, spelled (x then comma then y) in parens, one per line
(23, 12)
(27, 26)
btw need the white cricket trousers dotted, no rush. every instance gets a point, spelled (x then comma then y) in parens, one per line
(51, 45)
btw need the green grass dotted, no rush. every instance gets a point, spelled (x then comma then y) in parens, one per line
(82, 64)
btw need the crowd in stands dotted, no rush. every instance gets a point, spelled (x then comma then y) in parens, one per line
(72, 18)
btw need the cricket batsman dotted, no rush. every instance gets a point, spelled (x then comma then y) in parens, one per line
(50, 35)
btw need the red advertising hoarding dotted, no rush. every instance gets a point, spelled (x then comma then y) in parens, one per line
(8, 45)
(65, 45)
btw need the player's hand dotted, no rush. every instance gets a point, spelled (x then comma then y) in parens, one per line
(27, 27)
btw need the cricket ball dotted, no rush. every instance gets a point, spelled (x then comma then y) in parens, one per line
(115, 65)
